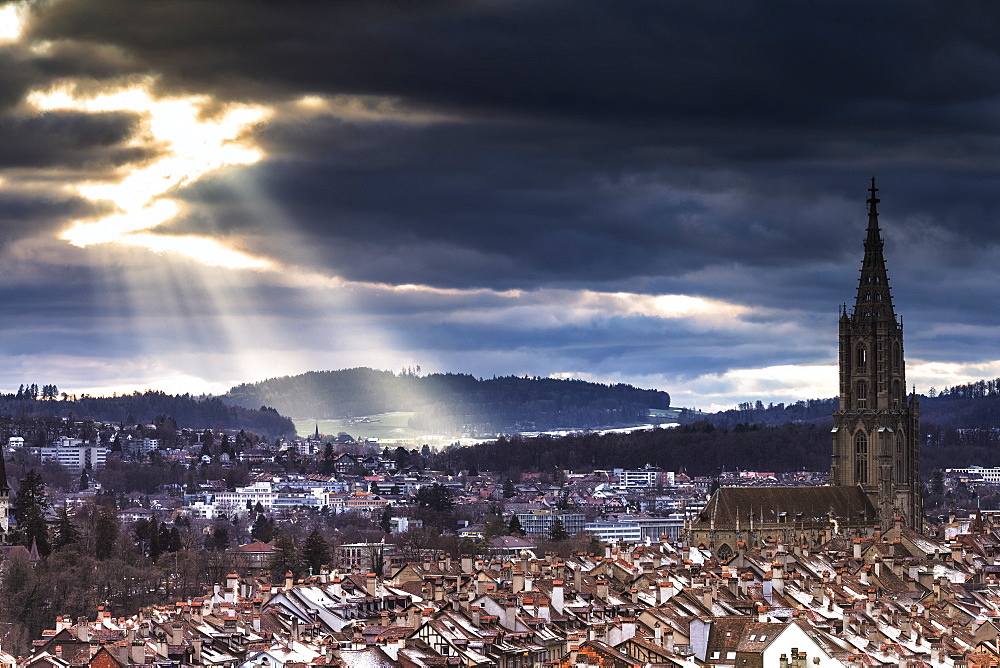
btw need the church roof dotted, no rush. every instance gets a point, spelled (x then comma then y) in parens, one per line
(767, 504)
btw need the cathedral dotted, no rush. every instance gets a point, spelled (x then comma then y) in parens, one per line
(875, 467)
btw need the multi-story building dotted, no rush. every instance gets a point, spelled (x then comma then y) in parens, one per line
(74, 454)
(539, 522)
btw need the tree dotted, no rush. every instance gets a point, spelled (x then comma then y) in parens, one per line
(64, 532)
(508, 489)
(84, 480)
(105, 532)
(285, 558)
(557, 531)
(315, 552)
(29, 511)
(937, 482)
(262, 529)
(494, 526)
(385, 519)
(437, 497)
(219, 541)
(515, 528)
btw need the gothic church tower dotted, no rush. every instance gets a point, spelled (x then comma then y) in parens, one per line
(876, 427)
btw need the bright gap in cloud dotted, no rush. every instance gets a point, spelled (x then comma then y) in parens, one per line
(11, 22)
(191, 145)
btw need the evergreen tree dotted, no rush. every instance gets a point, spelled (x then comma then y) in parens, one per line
(84, 480)
(508, 489)
(262, 529)
(515, 528)
(105, 532)
(285, 558)
(29, 511)
(557, 531)
(154, 539)
(175, 540)
(64, 532)
(219, 540)
(385, 519)
(315, 552)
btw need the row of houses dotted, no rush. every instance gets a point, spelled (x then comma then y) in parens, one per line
(896, 598)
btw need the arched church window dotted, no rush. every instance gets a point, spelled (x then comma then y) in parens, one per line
(897, 393)
(896, 357)
(861, 458)
(725, 552)
(862, 394)
(862, 356)
(868, 296)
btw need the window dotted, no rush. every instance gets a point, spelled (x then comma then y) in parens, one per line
(862, 356)
(861, 458)
(897, 393)
(896, 357)
(862, 394)
(900, 460)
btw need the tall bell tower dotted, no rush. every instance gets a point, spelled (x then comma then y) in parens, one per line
(876, 426)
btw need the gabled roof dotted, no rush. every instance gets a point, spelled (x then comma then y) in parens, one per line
(766, 504)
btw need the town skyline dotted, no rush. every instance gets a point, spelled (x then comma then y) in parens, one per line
(649, 195)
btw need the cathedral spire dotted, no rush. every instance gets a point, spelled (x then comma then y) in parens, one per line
(874, 301)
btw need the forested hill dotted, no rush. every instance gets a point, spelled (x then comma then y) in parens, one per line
(971, 406)
(453, 402)
(145, 407)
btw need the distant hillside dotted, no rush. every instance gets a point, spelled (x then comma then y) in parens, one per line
(972, 406)
(453, 402)
(959, 426)
(144, 407)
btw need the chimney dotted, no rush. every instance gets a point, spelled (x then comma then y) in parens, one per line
(510, 614)
(543, 609)
(176, 634)
(602, 590)
(288, 580)
(138, 652)
(83, 629)
(295, 628)
(518, 581)
(467, 564)
(255, 622)
(761, 614)
(578, 578)
(122, 648)
(370, 584)
(658, 635)
(857, 548)
(196, 651)
(777, 579)
(557, 596)
(476, 611)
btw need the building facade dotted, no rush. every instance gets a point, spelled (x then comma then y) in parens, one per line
(876, 426)
(875, 467)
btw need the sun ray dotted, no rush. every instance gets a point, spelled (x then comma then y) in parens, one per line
(190, 144)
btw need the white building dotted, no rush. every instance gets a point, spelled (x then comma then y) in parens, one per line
(73, 454)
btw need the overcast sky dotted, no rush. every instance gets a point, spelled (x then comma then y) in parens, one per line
(197, 194)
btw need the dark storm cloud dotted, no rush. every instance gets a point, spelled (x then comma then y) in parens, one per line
(593, 142)
(74, 140)
(730, 60)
